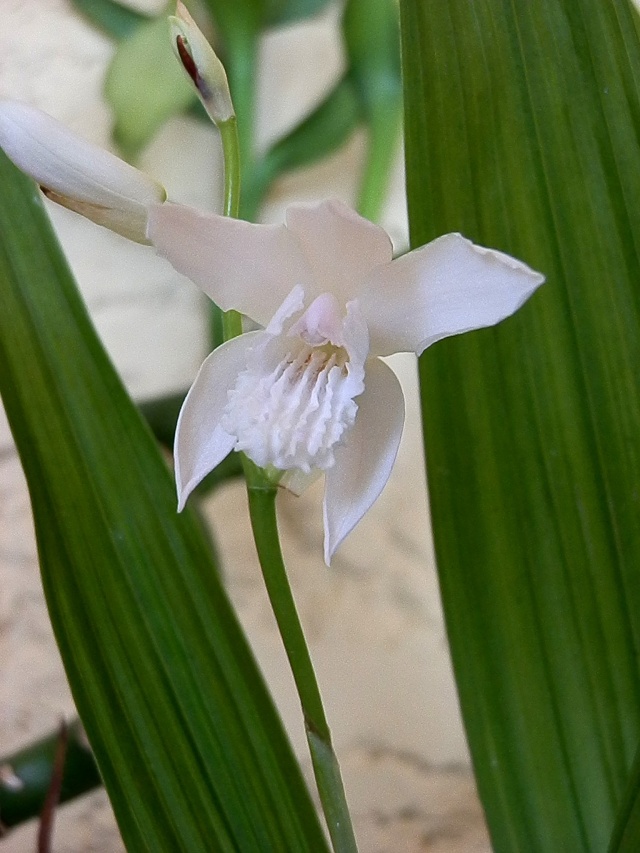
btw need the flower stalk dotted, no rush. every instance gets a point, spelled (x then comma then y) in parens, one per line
(231, 320)
(262, 497)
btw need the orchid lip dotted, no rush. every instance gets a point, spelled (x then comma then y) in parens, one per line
(295, 401)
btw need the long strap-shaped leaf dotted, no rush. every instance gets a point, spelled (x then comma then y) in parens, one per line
(522, 132)
(626, 834)
(188, 743)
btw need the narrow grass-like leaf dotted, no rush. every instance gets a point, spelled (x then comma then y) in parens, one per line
(145, 85)
(186, 738)
(279, 12)
(522, 132)
(626, 833)
(319, 134)
(161, 414)
(115, 19)
(372, 41)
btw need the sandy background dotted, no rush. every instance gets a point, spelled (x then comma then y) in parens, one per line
(373, 620)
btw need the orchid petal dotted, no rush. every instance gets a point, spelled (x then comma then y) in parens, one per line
(200, 442)
(341, 247)
(293, 304)
(444, 288)
(364, 463)
(77, 174)
(240, 266)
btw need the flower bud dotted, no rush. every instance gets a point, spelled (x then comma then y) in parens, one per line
(201, 64)
(76, 174)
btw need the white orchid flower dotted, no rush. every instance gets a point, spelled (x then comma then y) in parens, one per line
(309, 393)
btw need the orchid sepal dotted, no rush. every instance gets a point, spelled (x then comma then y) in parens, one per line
(76, 174)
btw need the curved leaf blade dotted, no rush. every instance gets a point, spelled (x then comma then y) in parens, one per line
(145, 85)
(113, 18)
(321, 132)
(626, 834)
(372, 40)
(186, 738)
(522, 133)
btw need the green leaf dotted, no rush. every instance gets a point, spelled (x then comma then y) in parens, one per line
(626, 833)
(522, 132)
(186, 738)
(372, 42)
(279, 12)
(257, 14)
(161, 414)
(319, 134)
(27, 775)
(115, 19)
(145, 85)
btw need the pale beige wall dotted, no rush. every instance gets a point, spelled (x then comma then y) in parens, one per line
(373, 620)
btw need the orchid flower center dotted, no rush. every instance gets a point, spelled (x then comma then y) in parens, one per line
(294, 403)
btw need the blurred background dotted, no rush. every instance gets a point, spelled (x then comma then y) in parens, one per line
(373, 620)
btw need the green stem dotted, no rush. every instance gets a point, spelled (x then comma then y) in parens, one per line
(216, 326)
(231, 320)
(241, 42)
(25, 776)
(231, 153)
(262, 497)
(382, 146)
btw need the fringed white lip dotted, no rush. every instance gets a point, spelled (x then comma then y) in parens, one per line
(295, 401)
(294, 415)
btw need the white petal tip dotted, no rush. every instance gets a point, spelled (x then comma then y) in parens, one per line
(330, 547)
(75, 173)
(364, 462)
(535, 278)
